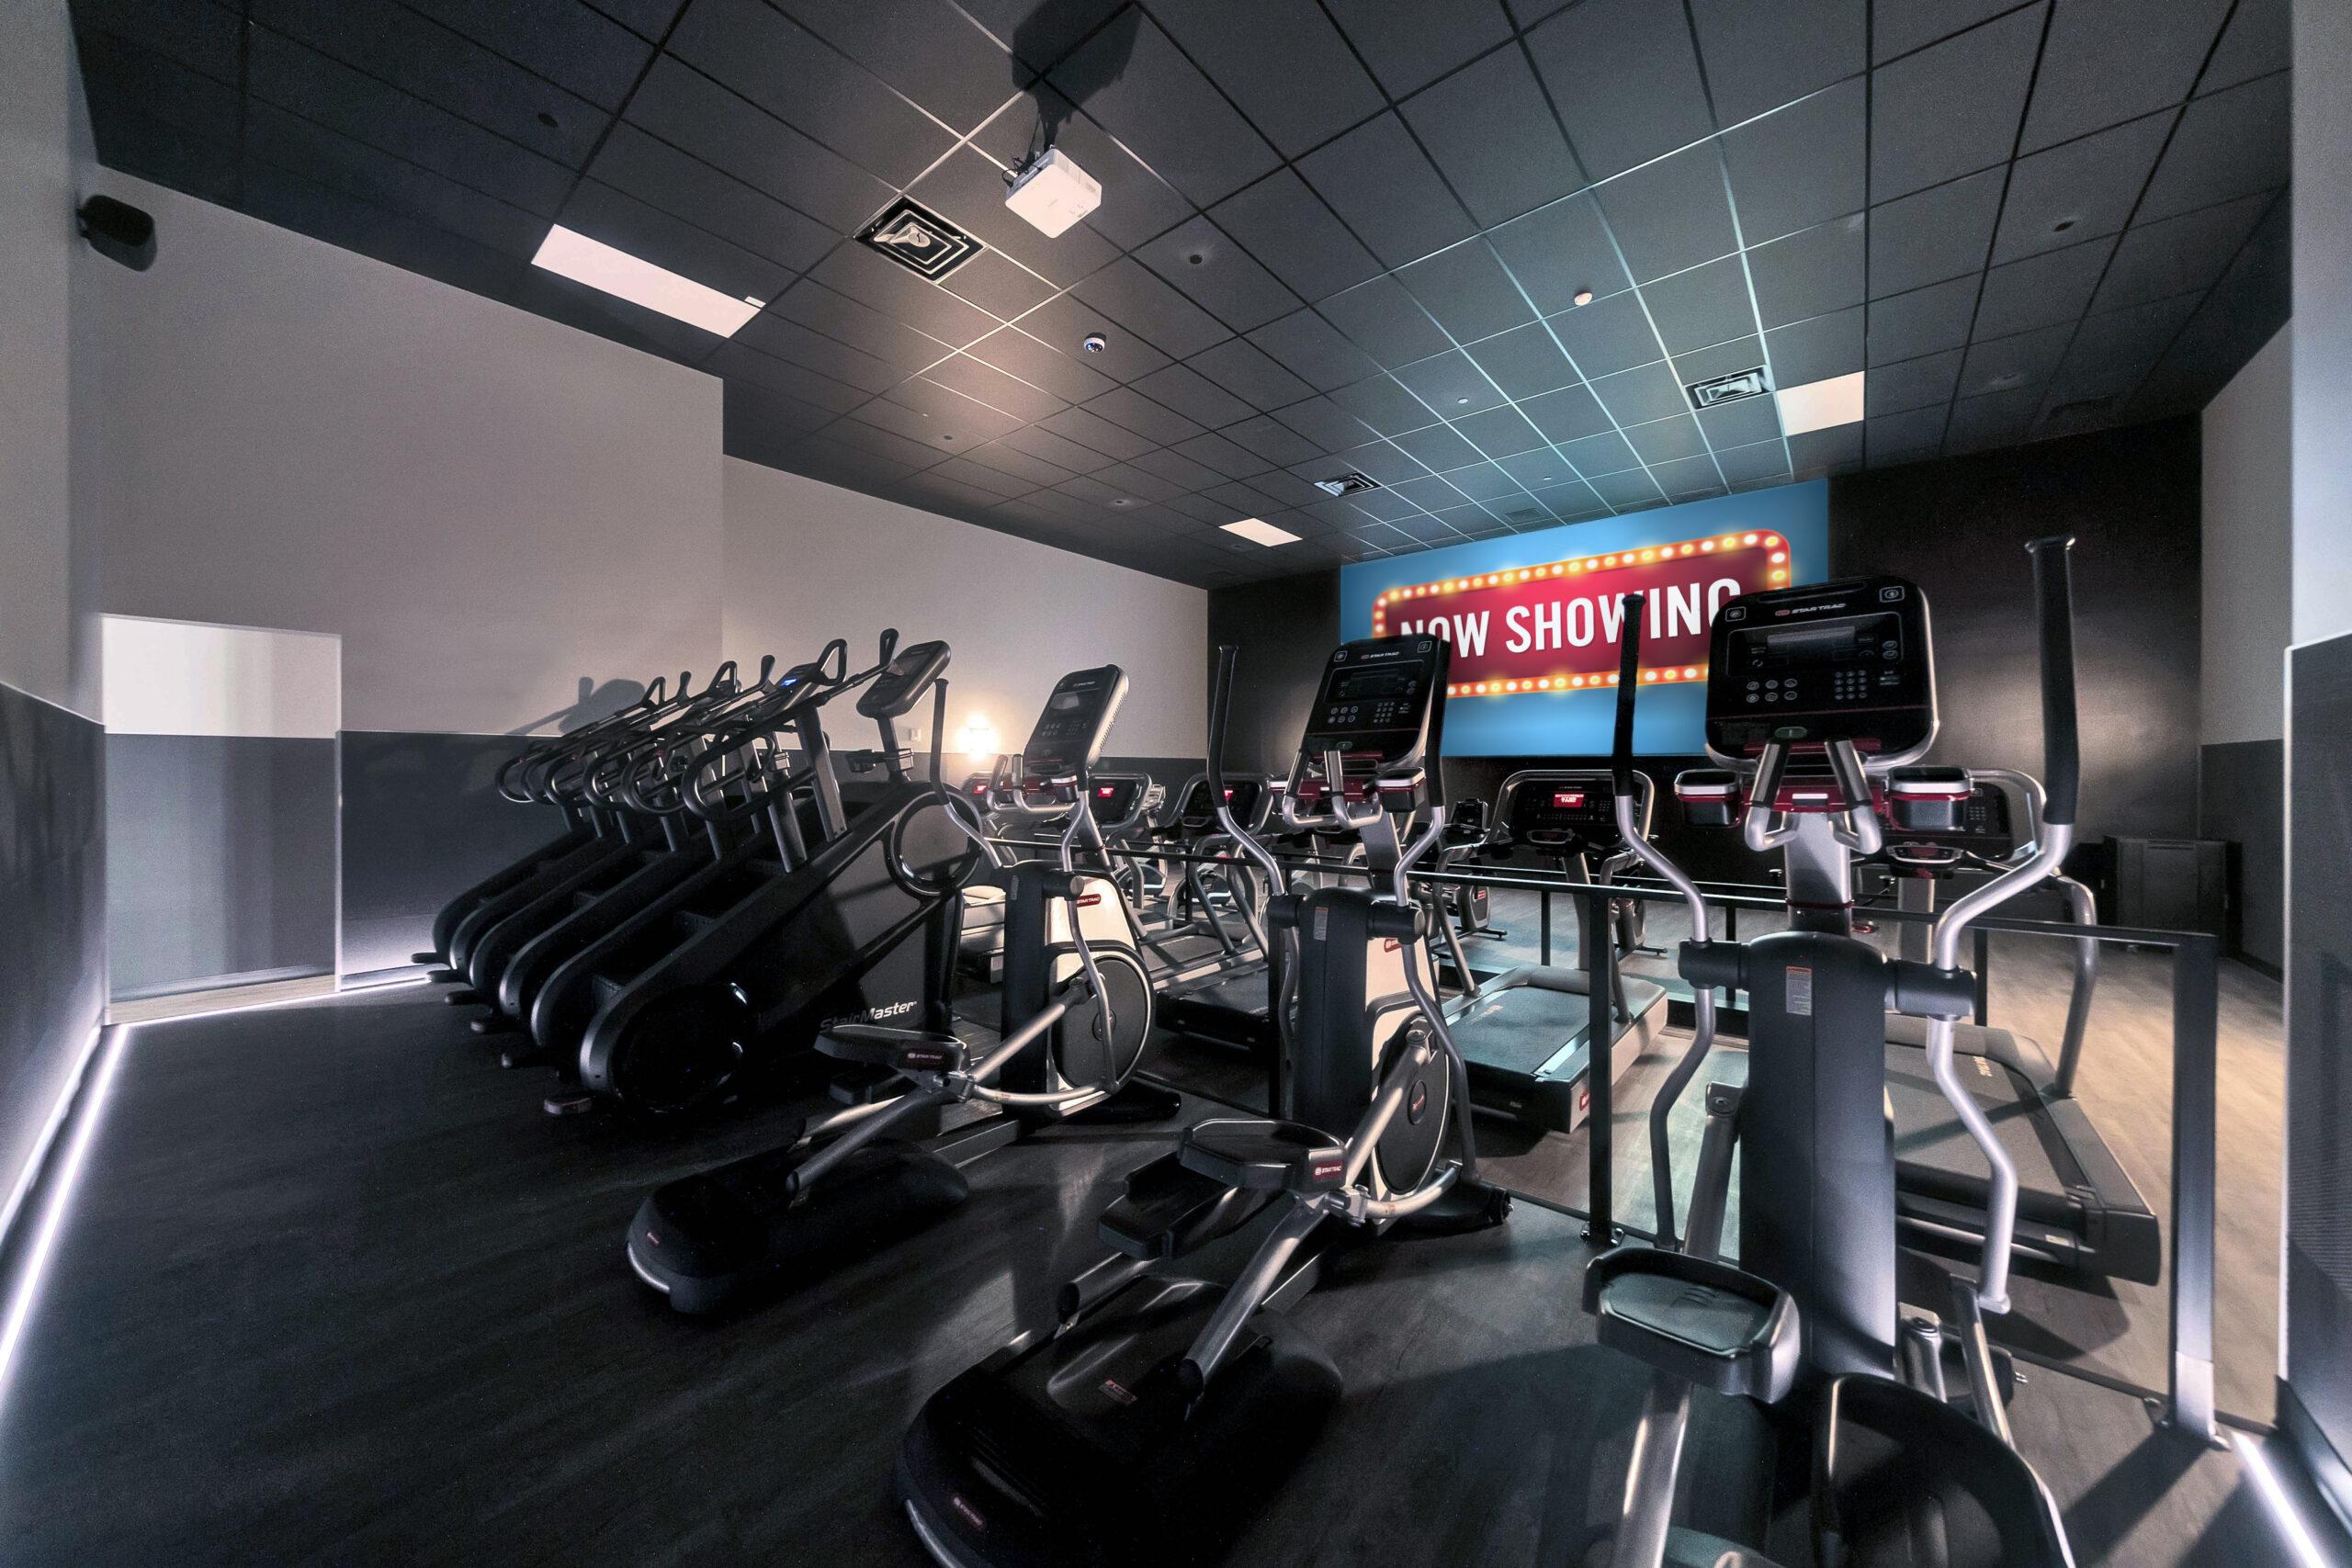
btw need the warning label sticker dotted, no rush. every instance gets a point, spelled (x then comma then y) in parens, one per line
(1800, 996)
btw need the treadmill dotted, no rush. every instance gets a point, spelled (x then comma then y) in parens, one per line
(1223, 993)
(1525, 1035)
(2077, 1208)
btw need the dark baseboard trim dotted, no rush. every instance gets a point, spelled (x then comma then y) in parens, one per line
(2259, 966)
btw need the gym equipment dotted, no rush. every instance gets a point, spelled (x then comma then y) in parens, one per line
(1076, 1015)
(1119, 803)
(1526, 1035)
(1807, 1327)
(1163, 1408)
(1212, 986)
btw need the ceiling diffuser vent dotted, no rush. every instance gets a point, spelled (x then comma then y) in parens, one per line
(1729, 389)
(919, 240)
(1346, 484)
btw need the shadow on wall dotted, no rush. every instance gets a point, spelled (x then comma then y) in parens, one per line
(595, 702)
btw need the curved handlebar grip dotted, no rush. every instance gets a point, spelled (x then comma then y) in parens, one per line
(1629, 666)
(2054, 588)
(722, 678)
(1220, 704)
(767, 667)
(837, 651)
(889, 644)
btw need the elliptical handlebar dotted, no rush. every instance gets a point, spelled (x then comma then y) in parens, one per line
(1220, 716)
(2053, 589)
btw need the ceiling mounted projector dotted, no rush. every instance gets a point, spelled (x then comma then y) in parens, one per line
(1053, 192)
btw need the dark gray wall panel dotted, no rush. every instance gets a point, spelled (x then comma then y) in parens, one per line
(1285, 629)
(52, 911)
(224, 863)
(422, 819)
(2242, 799)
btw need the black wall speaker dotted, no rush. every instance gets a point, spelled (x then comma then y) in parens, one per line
(119, 230)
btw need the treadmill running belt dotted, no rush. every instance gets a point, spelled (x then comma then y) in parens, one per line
(1521, 1029)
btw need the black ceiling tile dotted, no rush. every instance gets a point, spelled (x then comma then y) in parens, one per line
(206, 39)
(1952, 109)
(1933, 234)
(1538, 468)
(1484, 482)
(1409, 43)
(1922, 321)
(1254, 502)
(2114, 350)
(1817, 349)
(622, 221)
(949, 495)
(1287, 489)
(1028, 471)
(1271, 439)
(861, 326)
(1666, 440)
(1827, 448)
(1910, 430)
(805, 82)
(1671, 214)
(686, 188)
(1203, 509)
(569, 44)
(2080, 190)
(1130, 409)
(881, 442)
(925, 49)
(1391, 465)
(1468, 293)
(1217, 274)
(1707, 304)
(1136, 203)
(1313, 350)
(1760, 57)
(1560, 252)
(2000, 419)
(1524, 361)
(1178, 471)
(358, 170)
(1573, 502)
(994, 482)
(1636, 397)
(1382, 403)
(1332, 514)
(1245, 372)
(646, 19)
(1066, 322)
(1092, 430)
(1606, 452)
(1804, 165)
(1439, 447)
(1385, 323)
(741, 360)
(1281, 60)
(286, 74)
(1324, 423)
(688, 109)
(442, 69)
(1435, 530)
(361, 228)
(1138, 482)
(2006, 364)
(1900, 27)
(1137, 86)
(2257, 42)
(1284, 225)
(967, 190)
(1688, 476)
(154, 148)
(1015, 352)
(1384, 504)
(1499, 433)
(1191, 394)
(1095, 490)
(1625, 79)
(776, 420)
(2106, 63)
(988, 384)
(857, 272)
(1631, 487)
(996, 286)
(1450, 384)
(1058, 450)
(1742, 422)
(954, 421)
(1568, 415)
(1131, 295)
(843, 463)
(1725, 358)
(2175, 256)
(1089, 516)
(1608, 335)
(1381, 185)
(1762, 459)
(2052, 286)
(1494, 137)
(1215, 451)
(2227, 145)
(1914, 383)
(786, 339)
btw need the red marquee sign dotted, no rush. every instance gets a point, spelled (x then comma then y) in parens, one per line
(1555, 627)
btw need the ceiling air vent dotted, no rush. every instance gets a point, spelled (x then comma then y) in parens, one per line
(1346, 484)
(920, 240)
(1729, 389)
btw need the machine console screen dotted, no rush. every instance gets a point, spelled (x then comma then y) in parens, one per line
(1376, 703)
(1114, 798)
(903, 680)
(1547, 805)
(1842, 661)
(1069, 734)
(1199, 813)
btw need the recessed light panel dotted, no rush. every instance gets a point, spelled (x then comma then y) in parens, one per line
(1259, 532)
(599, 266)
(1818, 405)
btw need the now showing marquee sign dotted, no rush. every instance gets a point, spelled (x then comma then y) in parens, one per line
(1556, 625)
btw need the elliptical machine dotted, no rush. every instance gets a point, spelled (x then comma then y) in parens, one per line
(1892, 1474)
(1163, 1408)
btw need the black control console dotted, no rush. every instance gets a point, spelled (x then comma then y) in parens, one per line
(1562, 811)
(903, 680)
(1196, 812)
(1838, 661)
(1068, 736)
(1380, 708)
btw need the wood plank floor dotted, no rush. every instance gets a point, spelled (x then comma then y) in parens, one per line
(333, 1291)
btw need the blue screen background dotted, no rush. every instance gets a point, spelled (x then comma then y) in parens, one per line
(1577, 724)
